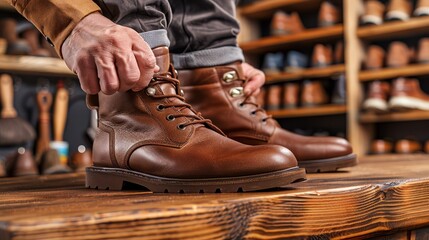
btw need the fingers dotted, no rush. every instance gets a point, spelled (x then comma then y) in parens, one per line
(106, 71)
(146, 63)
(255, 77)
(127, 70)
(88, 78)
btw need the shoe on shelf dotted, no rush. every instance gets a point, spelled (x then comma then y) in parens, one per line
(398, 10)
(381, 146)
(273, 63)
(423, 51)
(284, 24)
(339, 94)
(405, 146)
(322, 56)
(374, 57)
(290, 95)
(295, 61)
(376, 97)
(373, 13)
(153, 138)
(422, 8)
(21, 163)
(313, 94)
(406, 95)
(328, 14)
(398, 55)
(274, 97)
(241, 119)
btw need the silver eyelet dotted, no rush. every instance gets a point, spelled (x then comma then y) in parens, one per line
(170, 118)
(160, 107)
(182, 93)
(150, 91)
(236, 92)
(229, 76)
(181, 127)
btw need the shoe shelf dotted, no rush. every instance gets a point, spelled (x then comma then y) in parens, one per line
(310, 36)
(34, 65)
(390, 30)
(323, 110)
(413, 115)
(387, 73)
(266, 8)
(306, 73)
(5, 6)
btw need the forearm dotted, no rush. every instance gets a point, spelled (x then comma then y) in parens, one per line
(55, 19)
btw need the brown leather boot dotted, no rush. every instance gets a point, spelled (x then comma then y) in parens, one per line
(210, 90)
(21, 163)
(374, 57)
(154, 139)
(399, 10)
(423, 51)
(374, 11)
(422, 8)
(376, 98)
(290, 95)
(274, 97)
(406, 146)
(398, 55)
(313, 94)
(380, 146)
(407, 95)
(322, 56)
(284, 24)
(328, 14)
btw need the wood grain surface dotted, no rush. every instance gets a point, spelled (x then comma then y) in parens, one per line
(381, 196)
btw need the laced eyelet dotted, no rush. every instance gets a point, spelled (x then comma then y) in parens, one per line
(160, 107)
(241, 105)
(170, 118)
(150, 91)
(181, 127)
(264, 121)
(253, 113)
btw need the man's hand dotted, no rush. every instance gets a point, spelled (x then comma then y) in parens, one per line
(108, 57)
(255, 79)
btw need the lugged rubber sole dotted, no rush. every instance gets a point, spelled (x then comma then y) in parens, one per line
(116, 179)
(329, 164)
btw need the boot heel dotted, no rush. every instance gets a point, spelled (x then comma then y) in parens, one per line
(102, 180)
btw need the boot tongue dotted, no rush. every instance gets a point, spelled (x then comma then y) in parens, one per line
(162, 56)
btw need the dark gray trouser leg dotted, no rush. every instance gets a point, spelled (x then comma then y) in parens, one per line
(203, 33)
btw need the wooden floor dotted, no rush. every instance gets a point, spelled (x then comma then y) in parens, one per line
(382, 196)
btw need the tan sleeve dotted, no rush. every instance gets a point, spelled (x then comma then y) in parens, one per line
(55, 19)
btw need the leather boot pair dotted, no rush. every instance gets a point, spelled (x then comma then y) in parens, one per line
(284, 24)
(154, 139)
(218, 93)
(403, 146)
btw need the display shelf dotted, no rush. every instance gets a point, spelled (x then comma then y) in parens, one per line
(310, 36)
(386, 73)
(307, 73)
(391, 30)
(265, 9)
(309, 111)
(413, 115)
(5, 6)
(34, 65)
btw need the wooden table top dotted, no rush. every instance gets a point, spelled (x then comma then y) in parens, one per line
(381, 194)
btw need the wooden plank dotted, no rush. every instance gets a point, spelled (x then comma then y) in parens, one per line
(374, 198)
(329, 71)
(309, 111)
(34, 66)
(390, 30)
(387, 73)
(310, 36)
(413, 115)
(266, 8)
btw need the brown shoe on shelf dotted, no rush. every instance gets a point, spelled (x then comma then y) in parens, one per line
(377, 96)
(423, 51)
(82, 159)
(422, 8)
(374, 12)
(399, 10)
(322, 55)
(209, 91)
(290, 95)
(374, 57)
(406, 94)
(154, 139)
(21, 163)
(328, 14)
(284, 24)
(381, 146)
(407, 146)
(274, 97)
(313, 94)
(398, 55)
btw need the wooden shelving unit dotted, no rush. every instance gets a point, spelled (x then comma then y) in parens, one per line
(310, 36)
(34, 65)
(386, 73)
(394, 116)
(392, 30)
(309, 111)
(306, 73)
